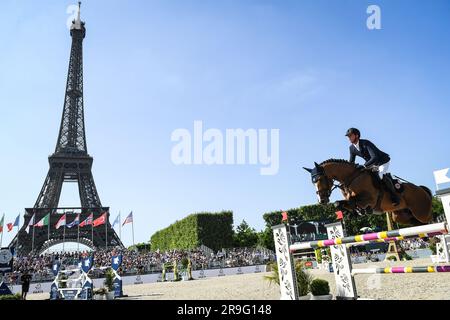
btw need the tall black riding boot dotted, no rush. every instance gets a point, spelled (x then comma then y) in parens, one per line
(390, 186)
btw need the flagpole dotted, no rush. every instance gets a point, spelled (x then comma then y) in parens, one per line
(106, 230)
(92, 229)
(32, 243)
(120, 227)
(64, 236)
(49, 215)
(3, 231)
(78, 232)
(132, 229)
(17, 249)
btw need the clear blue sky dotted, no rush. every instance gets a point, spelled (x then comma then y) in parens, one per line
(309, 68)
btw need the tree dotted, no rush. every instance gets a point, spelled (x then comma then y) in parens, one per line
(265, 239)
(245, 236)
(438, 208)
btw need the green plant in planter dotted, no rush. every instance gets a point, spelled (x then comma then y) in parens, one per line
(62, 284)
(273, 276)
(320, 287)
(184, 267)
(432, 245)
(109, 280)
(304, 278)
(184, 262)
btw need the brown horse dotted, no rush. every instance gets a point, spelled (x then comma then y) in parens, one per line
(363, 189)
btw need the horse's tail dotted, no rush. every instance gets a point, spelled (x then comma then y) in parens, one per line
(427, 190)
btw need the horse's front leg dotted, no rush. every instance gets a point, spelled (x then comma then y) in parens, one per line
(355, 202)
(364, 201)
(347, 205)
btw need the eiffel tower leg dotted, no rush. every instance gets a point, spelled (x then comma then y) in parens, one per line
(88, 192)
(51, 190)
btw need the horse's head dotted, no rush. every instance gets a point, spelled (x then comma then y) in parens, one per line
(323, 183)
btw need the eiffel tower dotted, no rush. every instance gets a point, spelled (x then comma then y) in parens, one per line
(69, 163)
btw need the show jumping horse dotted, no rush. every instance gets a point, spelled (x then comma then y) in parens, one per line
(363, 190)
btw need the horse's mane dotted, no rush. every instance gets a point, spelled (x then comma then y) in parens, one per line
(338, 161)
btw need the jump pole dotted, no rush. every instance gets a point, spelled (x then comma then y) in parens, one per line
(427, 269)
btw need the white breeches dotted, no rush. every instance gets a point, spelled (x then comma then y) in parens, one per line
(383, 169)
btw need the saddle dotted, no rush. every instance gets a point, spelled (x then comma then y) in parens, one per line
(382, 189)
(379, 184)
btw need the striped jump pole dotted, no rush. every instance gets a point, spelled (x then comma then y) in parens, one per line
(428, 235)
(427, 269)
(429, 230)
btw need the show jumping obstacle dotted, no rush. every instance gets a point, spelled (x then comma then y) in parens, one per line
(85, 291)
(340, 257)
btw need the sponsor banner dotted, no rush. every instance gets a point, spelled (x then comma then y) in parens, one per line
(36, 288)
(151, 278)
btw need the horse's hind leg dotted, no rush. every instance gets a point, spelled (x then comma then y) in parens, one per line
(405, 217)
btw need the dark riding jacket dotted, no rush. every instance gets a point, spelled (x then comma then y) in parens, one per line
(369, 152)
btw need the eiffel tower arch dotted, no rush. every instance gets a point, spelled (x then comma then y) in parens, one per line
(69, 163)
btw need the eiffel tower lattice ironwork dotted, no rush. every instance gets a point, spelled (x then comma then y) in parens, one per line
(69, 163)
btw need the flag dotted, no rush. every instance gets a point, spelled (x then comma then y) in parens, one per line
(74, 222)
(43, 222)
(285, 216)
(339, 215)
(30, 224)
(15, 224)
(116, 221)
(129, 219)
(100, 220)
(440, 176)
(88, 221)
(1, 223)
(61, 222)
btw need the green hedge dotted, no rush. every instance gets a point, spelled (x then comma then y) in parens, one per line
(214, 230)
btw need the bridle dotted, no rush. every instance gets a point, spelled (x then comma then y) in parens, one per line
(345, 185)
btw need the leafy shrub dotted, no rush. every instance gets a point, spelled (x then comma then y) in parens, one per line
(109, 280)
(304, 278)
(320, 287)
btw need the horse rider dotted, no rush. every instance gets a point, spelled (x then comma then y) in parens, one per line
(373, 157)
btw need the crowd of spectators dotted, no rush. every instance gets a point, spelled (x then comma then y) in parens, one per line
(134, 262)
(363, 254)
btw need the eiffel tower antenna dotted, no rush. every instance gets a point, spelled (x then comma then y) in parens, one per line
(77, 24)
